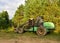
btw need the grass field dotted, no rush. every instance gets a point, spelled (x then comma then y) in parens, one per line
(13, 35)
(28, 37)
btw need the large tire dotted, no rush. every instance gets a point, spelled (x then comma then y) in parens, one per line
(41, 31)
(16, 30)
(20, 30)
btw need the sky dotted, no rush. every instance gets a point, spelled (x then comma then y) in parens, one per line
(10, 6)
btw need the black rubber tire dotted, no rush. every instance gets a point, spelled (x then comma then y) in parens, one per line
(41, 31)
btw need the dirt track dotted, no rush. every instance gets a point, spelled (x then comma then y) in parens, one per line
(28, 40)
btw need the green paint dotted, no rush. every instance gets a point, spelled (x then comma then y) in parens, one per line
(49, 25)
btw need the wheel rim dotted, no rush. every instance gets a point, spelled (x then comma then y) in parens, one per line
(41, 31)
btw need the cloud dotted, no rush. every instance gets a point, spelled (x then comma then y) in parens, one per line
(10, 6)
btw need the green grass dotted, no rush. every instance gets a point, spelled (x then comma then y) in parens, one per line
(12, 35)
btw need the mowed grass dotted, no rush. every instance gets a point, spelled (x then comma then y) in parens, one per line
(13, 35)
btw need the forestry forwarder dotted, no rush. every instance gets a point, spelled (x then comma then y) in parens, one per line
(38, 26)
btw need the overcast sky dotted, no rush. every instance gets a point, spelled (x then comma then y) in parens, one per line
(10, 6)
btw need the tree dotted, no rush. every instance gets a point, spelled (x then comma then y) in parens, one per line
(19, 14)
(4, 20)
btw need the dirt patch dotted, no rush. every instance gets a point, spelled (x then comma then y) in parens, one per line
(28, 40)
